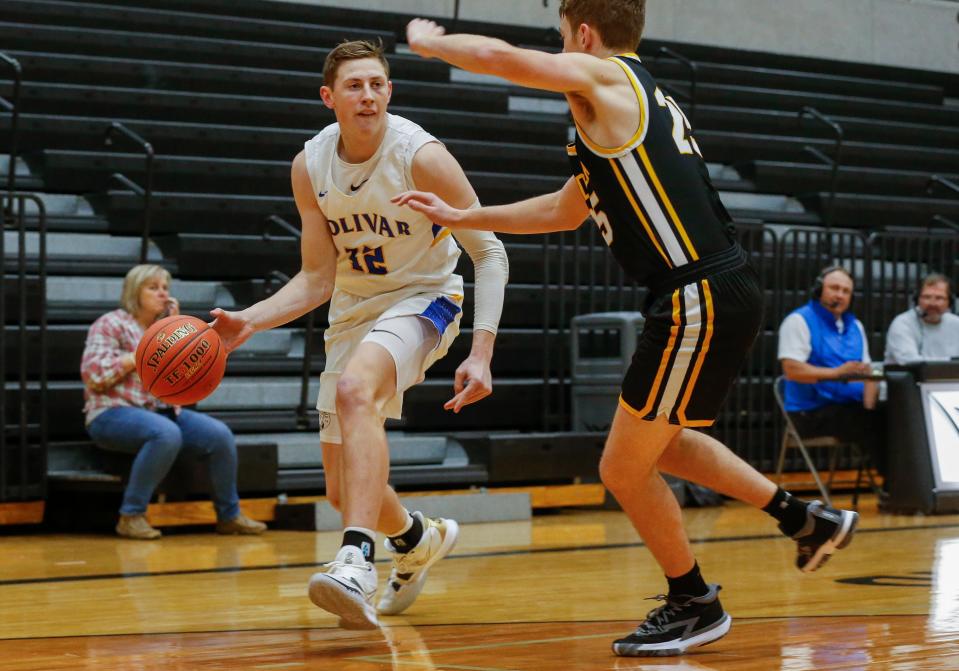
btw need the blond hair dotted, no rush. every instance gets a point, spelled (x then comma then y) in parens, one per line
(619, 23)
(136, 277)
(351, 51)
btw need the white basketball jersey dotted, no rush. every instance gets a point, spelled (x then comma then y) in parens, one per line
(382, 248)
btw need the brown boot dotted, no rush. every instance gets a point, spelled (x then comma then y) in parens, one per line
(137, 527)
(241, 524)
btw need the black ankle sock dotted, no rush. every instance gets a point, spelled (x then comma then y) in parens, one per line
(408, 540)
(688, 584)
(365, 542)
(790, 511)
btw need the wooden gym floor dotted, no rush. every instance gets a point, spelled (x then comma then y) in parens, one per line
(543, 595)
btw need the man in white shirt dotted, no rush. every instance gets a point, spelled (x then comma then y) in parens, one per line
(823, 350)
(928, 331)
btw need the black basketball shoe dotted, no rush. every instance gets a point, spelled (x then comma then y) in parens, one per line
(826, 530)
(684, 622)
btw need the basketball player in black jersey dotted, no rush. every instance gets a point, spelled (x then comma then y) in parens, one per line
(638, 171)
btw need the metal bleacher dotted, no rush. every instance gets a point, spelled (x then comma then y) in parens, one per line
(226, 93)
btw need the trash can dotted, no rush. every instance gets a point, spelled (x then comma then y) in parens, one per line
(602, 346)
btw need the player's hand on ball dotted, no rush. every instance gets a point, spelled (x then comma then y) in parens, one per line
(418, 31)
(233, 328)
(473, 382)
(431, 205)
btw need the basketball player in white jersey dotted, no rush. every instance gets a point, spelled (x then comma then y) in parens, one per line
(395, 306)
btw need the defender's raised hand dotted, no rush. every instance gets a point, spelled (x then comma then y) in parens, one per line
(418, 31)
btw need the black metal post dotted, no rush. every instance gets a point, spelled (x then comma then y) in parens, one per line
(546, 353)
(44, 354)
(147, 192)
(940, 220)
(302, 410)
(22, 417)
(693, 77)
(456, 16)
(836, 160)
(14, 109)
(7, 198)
(948, 184)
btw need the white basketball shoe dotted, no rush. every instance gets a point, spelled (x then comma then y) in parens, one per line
(408, 574)
(347, 589)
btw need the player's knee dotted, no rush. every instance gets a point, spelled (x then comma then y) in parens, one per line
(353, 394)
(615, 475)
(607, 475)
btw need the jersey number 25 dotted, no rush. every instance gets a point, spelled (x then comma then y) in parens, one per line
(682, 130)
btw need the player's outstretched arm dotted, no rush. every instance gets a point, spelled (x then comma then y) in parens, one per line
(562, 210)
(560, 73)
(310, 287)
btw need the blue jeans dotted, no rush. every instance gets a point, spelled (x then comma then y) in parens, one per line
(157, 440)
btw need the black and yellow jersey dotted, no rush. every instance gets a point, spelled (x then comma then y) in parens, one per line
(651, 198)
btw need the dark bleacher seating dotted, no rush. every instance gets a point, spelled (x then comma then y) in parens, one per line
(803, 177)
(226, 92)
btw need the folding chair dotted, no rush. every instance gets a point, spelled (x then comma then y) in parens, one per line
(792, 439)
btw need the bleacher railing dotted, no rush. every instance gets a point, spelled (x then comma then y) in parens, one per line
(146, 192)
(835, 162)
(587, 280)
(14, 108)
(693, 68)
(303, 408)
(897, 263)
(23, 444)
(887, 267)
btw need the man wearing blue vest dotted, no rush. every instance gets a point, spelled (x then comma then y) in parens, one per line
(822, 345)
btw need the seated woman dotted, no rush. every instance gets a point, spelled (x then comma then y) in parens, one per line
(122, 416)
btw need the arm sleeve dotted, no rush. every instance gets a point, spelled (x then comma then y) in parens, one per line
(901, 345)
(866, 358)
(101, 367)
(795, 341)
(491, 269)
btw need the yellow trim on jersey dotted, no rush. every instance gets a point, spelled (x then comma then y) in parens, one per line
(669, 206)
(571, 150)
(710, 316)
(670, 345)
(640, 130)
(638, 415)
(639, 212)
(439, 237)
(630, 409)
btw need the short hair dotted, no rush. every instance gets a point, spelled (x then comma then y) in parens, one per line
(620, 22)
(820, 280)
(935, 278)
(136, 277)
(829, 270)
(351, 51)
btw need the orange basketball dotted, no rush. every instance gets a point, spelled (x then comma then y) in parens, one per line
(181, 360)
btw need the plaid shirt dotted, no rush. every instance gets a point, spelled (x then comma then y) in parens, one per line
(111, 337)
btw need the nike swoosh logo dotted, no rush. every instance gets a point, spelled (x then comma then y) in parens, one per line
(348, 586)
(385, 331)
(322, 194)
(357, 187)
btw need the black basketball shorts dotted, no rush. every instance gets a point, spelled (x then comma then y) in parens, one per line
(690, 352)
